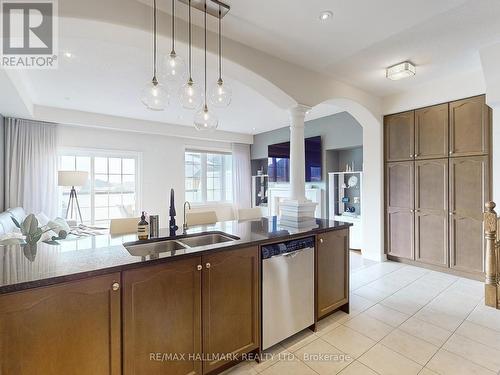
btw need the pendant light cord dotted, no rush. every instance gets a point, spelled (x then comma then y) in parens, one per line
(154, 41)
(173, 27)
(220, 43)
(189, 33)
(205, 22)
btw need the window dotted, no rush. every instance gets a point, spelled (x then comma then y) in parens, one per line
(208, 176)
(111, 190)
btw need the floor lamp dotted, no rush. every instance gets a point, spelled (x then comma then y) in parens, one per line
(72, 178)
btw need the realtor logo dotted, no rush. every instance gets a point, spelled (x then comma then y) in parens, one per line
(29, 34)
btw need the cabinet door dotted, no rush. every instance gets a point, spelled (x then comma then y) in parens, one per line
(162, 314)
(431, 211)
(332, 271)
(431, 132)
(70, 328)
(399, 136)
(469, 127)
(400, 209)
(231, 304)
(469, 191)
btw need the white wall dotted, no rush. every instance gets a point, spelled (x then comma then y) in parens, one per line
(2, 172)
(162, 162)
(436, 92)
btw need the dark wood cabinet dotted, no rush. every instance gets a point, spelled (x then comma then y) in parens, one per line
(431, 132)
(332, 271)
(469, 191)
(435, 215)
(231, 304)
(400, 136)
(198, 308)
(162, 314)
(70, 328)
(400, 209)
(431, 211)
(469, 127)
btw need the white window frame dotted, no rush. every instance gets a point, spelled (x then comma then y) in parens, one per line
(94, 152)
(204, 151)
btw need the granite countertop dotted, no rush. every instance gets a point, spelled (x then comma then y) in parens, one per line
(79, 257)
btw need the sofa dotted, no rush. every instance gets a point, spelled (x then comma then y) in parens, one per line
(6, 224)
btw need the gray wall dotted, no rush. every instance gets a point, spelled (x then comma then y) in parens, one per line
(340, 130)
(2, 177)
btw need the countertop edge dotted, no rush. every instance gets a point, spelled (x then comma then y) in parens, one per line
(55, 280)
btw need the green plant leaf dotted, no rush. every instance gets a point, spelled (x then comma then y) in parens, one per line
(16, 222)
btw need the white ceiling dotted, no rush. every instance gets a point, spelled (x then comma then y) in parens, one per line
(442, 37)
(112, 63)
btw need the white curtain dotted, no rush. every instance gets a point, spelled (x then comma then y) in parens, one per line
(31, 166)
(242, 176)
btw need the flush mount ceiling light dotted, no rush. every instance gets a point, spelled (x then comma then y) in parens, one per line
(399, 71)
(325, 15)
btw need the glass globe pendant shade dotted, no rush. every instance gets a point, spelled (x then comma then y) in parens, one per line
(173, 68)
(205, 120)
(190, 95)
(154, 96)
(220, 94)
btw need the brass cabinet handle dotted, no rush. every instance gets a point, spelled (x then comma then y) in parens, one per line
(208, 265)
(411, 156)
(115, 286)
(321, 240)
(199, 267)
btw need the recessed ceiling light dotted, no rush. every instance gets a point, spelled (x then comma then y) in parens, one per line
(399, 71)
(325, 15)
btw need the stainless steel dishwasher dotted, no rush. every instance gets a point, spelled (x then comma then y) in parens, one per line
(287, 289)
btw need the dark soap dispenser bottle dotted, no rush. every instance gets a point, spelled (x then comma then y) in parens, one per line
(143, 228)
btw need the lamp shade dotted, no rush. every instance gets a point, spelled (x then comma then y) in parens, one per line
(72, 178)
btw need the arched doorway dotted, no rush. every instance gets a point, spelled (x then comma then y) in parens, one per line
(373, 172)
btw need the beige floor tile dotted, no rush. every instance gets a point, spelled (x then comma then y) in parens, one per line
(387, 315)
(357, 368)
(243, 368)
(289, 367)
(439, 318)
(323, 357)
(387, 362)
(402, 303)
(270, 357)
(368, 326)
(425, 331)
(299, 340)
(372, 294)
(473, 351)
(485, 316)
(454, 303)
(486, 336)
(446, 363)
(349, 341)
(325, 325)
(426, 371)
(358, 304)
(386, 285)
(410, 346)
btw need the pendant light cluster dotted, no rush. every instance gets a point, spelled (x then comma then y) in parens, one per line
(155, 95)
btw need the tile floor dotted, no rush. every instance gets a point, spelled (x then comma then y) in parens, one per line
(403, 320)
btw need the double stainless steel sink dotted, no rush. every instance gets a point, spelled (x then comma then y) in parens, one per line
(179, 243)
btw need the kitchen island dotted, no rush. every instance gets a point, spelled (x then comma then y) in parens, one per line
(90, 305)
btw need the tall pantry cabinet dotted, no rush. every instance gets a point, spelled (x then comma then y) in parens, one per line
(437, 179)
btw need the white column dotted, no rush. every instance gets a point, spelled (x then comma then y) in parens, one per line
(297, 153)
(297, 212)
